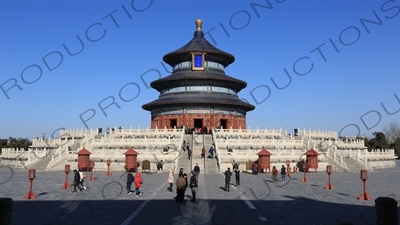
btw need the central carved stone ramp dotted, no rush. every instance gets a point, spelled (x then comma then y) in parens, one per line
(207, 165)
(183, 161)
(353, 166)
(42, 164)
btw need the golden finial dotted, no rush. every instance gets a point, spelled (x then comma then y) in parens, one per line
(199, 24)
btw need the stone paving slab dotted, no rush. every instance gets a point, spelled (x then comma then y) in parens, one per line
(257, 201)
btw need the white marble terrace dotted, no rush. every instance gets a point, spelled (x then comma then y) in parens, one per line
(150, 144)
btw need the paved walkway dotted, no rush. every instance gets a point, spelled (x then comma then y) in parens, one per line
(257, 201)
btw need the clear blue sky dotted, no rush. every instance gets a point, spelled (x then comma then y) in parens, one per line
(350, 66)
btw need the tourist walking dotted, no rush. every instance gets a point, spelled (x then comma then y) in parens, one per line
(228, 175)
(180, 172)
(196, 169)
(193, 185)
(129, 180)
(82, 179)
(160, 165)
(170, 180)
(187, 183)
(77, 181)
(283, 173)
(237, 176)
(211, 151)
(235, 165)
(138, 184)
(203, 152)
(274, 174)
(180, 189)
(254, 168)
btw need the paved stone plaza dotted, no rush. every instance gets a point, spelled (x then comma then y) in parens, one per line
(257, 201)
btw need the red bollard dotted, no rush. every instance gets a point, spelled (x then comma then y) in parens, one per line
(329, 171)
(304, 179)
(364, 177)
(66, 184)
(108, 165)
(288, 168)
(31, 177)
(91, 171)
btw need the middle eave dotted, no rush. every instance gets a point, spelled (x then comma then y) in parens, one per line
(191, 78)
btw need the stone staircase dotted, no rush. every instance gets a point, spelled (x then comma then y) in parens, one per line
(42, 164)
(210, 165)
(354, 167)
(196, 156)
(336, 166)
(183, 161)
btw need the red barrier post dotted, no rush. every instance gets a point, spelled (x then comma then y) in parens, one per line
(66, 184)
(364, 177)
(31, 177)
(91, 171)
(329, 171)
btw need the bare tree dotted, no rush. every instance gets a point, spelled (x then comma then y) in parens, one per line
(392, 131)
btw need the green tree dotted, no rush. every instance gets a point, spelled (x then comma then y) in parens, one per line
(378, 142)
(23, 143)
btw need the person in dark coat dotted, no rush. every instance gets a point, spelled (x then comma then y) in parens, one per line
(77, 180)
(180, 172)
(228, 175)
(187, 183)
(196, 170)
(283, 173)
(180, 189)
(237, 176)
(129, 180)
(193, 185)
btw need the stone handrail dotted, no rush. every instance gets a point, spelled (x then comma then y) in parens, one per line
(213, 131)
(60, 155)
(250, 134)
(336, 158)
(318, 133)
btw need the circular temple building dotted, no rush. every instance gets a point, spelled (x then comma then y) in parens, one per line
(198, 94)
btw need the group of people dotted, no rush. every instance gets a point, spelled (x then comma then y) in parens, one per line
(196, 130)
(275, 174)
(79, 179)
(137, 180)
(228, 174)
(182, 183)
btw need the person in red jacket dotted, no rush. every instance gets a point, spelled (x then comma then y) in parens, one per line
(138, 184)
(274, 174)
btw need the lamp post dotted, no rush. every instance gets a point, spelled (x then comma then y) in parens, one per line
(108, 166)
(66, 184)
(31, 176)
(304, 179)
(288, 168)
(364, 177)
(329, 171)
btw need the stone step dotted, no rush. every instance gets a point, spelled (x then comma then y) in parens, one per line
(42, 164)
(210, 166)
(352, 165)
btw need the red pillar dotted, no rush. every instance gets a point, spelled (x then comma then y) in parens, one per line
(66, 184)
(329, 171)
(31, 176)
(364, 177)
